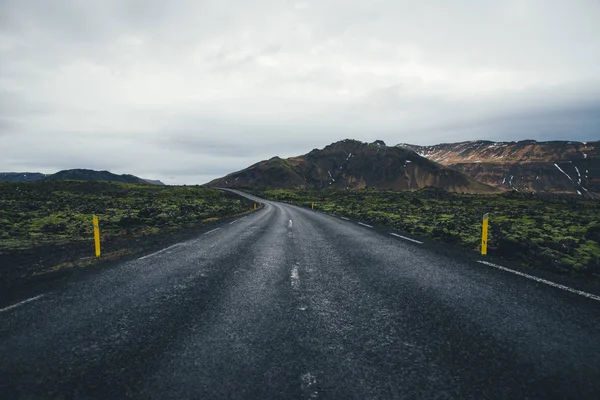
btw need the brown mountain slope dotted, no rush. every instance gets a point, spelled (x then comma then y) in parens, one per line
(350, 164)
(555, 167)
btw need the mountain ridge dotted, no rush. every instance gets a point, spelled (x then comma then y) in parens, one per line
(569, 167)
(21, 176)
(351, 164)
(75, 174)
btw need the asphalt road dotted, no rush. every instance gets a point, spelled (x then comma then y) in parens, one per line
(292, 303)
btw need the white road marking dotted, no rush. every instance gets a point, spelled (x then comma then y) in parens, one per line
(368, 226)
(347, 219)
(290, 224)
(158, 252)
(233, 222)
(309, 381)
(535, 278)
(295, 278)
(21, 303)
(216, 229)
(406, 238)
(244, 217)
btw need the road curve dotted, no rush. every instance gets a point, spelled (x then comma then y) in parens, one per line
(292, 303)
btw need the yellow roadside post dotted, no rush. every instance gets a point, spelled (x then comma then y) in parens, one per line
(313, 206)
(96, 235)
(255, 206)
(484, 234)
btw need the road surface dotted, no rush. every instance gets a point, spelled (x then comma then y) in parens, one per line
(289, 303)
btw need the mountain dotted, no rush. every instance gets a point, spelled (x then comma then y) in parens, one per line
(91, 175)
(74, 174)
(528, 165)
(21, 176)
(350, 164)
(154, 182)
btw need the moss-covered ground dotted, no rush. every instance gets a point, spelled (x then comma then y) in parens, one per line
(39, 218)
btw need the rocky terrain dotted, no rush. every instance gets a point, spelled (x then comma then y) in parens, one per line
(528, 165)
(351, 164)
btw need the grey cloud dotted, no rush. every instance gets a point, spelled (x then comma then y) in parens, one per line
(15, 104)
(242, 148)
(229, 60)
(577, 123)
(189, 90)
(238, 141)
(6, 125)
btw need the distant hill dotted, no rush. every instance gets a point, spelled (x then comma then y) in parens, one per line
(21, 176)
(528, 165)
(153, 182)
(351, 164)
(91, 175)
(75, 174)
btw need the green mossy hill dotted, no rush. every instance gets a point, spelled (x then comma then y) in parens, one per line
(557, 233)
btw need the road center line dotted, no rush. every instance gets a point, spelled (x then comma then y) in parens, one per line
(308, 385)
(290, 224)
(406, 238)
(21, 303)
(294, 277)
(158, 252)
(347, 219)
(233, 222)
(368, 226)
(216, 229)
(535, 278)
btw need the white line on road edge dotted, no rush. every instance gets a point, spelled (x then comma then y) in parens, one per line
(233, 222)
(21, 303)
(212, 231)
(368, 226)
(406, 238)
(158, 252)
(244, 217)
(347, 219)
(535, 278)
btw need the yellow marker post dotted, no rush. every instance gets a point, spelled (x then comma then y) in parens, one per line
(313, 206)
(484, 235)
(96, 235)
(255, 206)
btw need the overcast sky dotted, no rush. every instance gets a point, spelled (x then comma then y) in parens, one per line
(186, 91)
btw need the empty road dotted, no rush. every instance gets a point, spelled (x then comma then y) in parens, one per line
(289, 303)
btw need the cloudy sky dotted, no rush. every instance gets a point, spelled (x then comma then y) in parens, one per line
(189, 90)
